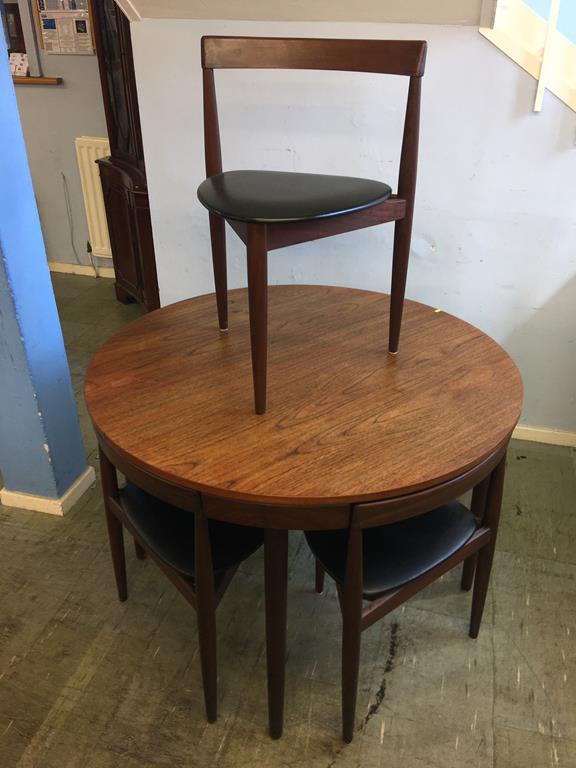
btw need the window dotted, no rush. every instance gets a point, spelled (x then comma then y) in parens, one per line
(540, 36)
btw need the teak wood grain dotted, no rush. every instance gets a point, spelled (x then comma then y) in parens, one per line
(349, 423)
(281, 236)
(391, 57)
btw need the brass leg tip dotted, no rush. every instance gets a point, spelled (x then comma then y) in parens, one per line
(223, 330)
(392, 353)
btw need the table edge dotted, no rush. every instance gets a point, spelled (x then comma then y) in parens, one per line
(290, 501)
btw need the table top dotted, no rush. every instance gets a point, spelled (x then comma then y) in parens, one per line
(346, 421)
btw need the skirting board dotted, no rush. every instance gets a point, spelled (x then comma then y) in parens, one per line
(543, 435)
(45, 504)
(80, 269)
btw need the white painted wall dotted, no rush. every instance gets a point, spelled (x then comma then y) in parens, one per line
(52, 117)
(495, 225)
(420, 11)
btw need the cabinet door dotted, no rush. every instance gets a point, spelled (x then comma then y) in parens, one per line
(119, 203)
(123, 175)
(114, 48)
(146, 251)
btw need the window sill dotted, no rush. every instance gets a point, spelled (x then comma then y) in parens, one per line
(19, 80)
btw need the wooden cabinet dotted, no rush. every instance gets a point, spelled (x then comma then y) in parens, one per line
(13, 28)
(123, 174)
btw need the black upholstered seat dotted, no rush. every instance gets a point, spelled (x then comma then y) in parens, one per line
(169, 532)
(398, 553)
(268, 197)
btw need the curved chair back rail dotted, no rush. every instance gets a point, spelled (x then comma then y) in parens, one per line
(261, 231)
(281, 517)
(391, 57)
(258, 515)
(323, 517)
(184, 498)
(387, 511)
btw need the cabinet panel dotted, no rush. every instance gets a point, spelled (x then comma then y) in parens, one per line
(151, 298)
(123, 174)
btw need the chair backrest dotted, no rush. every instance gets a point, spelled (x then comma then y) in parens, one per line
(392, 57)
(486, 479)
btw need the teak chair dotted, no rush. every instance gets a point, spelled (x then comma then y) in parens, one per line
(395, 548)
(269, 210)
(198, 555)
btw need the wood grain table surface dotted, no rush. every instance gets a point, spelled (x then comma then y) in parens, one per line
(346, 421)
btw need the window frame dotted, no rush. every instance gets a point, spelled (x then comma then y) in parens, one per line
(535, 44)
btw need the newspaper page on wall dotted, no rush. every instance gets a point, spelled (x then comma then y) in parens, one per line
(65, 26)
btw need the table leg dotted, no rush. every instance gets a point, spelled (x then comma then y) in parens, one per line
(276, 577)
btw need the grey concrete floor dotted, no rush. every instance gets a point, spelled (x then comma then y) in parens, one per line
(87, 681)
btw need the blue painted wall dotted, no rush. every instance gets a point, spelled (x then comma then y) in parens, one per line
(41, 450)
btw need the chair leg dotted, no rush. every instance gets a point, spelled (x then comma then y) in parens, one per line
(351, 603)
(116, 539)
(319, 577)
(402, 238)
(218, 240)
(139, 550)
(468, 573)
(109, 482)
(258, 305)
(206, 611)
(403, 227)
(276, 576)
(478, 509)
(350, 666)
(486, 554)
(481, 581)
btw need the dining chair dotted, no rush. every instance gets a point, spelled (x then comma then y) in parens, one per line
(270, 209)
(198, 555)
(394, 548)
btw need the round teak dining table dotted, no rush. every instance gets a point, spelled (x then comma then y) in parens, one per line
(170, 398)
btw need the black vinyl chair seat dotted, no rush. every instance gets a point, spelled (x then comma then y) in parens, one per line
(169, 532)
(269, 197)
(395, 554)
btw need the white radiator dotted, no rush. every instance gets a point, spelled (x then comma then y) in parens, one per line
(88, 150)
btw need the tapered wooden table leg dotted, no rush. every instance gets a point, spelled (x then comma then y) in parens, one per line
(276, 576)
